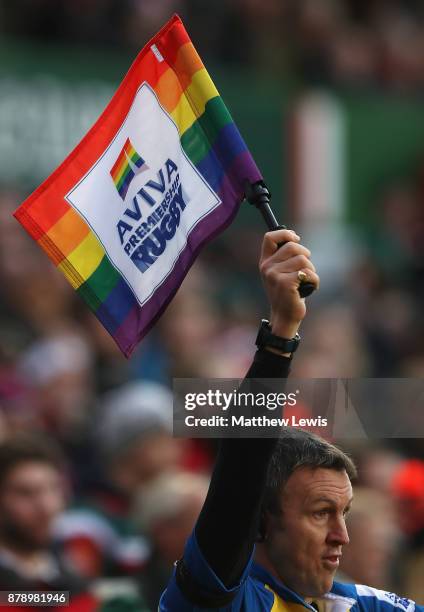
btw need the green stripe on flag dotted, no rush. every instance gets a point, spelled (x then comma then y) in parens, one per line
(97, 287)
(214, 118)
(123, 177)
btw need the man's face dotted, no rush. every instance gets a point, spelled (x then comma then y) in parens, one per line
(31, 496)
(145, 459)
(304, 542)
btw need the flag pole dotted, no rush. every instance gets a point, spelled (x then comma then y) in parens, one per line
(259, 196)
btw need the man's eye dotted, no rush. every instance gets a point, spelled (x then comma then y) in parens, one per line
(321, 513)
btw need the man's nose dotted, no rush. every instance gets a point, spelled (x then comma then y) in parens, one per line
(338, 533)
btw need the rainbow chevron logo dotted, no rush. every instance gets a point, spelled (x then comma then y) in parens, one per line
(128, 164)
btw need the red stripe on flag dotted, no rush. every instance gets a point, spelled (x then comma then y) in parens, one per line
(38, 205)
(118, 163)
(127, 146)
(175, 36)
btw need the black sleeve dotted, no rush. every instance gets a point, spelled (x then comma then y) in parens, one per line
(228, 523)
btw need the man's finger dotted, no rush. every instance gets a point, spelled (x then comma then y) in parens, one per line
(299, 262)
(308, 276)
(289, 250)
(273, 239)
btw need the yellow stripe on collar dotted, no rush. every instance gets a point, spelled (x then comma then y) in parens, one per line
(280, 605)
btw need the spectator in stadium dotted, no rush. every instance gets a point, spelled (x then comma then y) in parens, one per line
(372, 513)
(132, 431)
(408, 491)
(32, 494)
(58, 372)
(293, 492)
(58, 369)
(166, 511)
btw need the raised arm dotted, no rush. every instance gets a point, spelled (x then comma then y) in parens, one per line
(228, 523)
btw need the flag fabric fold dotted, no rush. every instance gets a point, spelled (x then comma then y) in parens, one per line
(160, 173)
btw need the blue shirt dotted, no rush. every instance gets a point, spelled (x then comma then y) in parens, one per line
(258, 591)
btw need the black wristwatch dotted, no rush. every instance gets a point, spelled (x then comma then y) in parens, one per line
(266, 338)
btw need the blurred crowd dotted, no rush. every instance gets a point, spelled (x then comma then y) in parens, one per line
(359, 43)
(96, 496)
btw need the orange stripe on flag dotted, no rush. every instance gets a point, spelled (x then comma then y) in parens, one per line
(68, 232)
(131, 152)
(120, 171)
(169, 90)
(127, 145)
(118, 163)
(187, 63)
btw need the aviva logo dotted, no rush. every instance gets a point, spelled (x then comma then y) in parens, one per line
(128, 164)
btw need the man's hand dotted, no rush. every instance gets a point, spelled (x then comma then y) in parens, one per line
(279, 268)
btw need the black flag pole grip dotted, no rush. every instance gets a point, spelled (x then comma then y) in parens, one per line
(258, 195)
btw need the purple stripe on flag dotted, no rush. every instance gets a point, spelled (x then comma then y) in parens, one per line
(139, 161)
(124, 187)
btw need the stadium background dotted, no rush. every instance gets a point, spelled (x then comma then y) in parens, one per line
(328, 95)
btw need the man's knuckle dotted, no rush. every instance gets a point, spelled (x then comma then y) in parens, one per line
(271, 275)
(291, 248)
(263, 267)
(314, 278)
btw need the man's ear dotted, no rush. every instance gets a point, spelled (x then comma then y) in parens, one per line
(263, 526)
(260, 536)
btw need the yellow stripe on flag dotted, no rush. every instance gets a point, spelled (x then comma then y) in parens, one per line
(120, 171)
(183, 115)
(193, 101)
(85, 259)
(201, 90)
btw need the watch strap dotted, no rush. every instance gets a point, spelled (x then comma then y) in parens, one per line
(266, 338)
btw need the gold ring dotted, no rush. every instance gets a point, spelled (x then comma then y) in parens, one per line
(302, 277)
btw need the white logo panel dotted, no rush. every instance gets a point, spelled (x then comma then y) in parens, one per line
(144, 226)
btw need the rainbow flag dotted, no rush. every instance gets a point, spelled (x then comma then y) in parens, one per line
(161, 172)
(128, 164)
